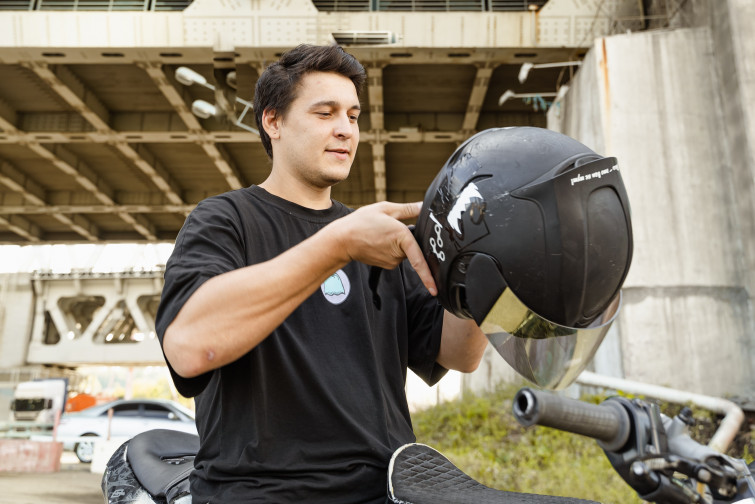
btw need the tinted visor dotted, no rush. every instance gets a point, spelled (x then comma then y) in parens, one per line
(549, 355)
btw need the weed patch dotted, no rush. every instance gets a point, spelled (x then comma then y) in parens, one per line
(481, 436)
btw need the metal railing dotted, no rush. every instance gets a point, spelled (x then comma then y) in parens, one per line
(95, 5)
(322, 5)
(428, 5)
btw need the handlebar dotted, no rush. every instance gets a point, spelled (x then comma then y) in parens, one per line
(649, 451)
(609, 423)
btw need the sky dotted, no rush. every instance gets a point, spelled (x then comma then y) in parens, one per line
(96, 258)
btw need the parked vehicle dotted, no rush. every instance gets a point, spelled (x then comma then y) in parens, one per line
(129, 418)
(39, 401)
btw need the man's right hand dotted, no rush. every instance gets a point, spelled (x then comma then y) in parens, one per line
(375, 235)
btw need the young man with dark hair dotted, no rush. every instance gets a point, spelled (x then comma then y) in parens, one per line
(267, 316)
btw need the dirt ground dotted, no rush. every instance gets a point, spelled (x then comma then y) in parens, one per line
(73, 484)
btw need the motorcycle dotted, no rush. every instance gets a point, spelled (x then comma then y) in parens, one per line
(653, 453)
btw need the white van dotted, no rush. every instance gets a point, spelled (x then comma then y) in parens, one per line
(38, 401)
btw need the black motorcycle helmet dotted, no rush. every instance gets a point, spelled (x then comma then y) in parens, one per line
(528, 232)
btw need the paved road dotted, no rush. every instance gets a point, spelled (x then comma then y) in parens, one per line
(74, 484)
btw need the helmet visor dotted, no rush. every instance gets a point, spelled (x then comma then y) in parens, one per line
(549, 355)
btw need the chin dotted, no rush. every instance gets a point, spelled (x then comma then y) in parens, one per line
(333, 177)
(329, 181)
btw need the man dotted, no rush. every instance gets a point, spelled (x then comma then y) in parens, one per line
(268, 316)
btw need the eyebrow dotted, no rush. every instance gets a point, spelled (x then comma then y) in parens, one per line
(334, 104)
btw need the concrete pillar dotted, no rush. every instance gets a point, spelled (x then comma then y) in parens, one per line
(16, 312)
(675, 107)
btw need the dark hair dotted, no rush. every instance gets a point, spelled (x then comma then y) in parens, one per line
(276, 87)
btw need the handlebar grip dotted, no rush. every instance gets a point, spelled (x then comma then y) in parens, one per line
(609, 422)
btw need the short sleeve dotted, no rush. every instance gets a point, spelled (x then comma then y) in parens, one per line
(425, 317)
(210, 243)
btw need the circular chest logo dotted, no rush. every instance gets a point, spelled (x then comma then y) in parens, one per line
(336, 288)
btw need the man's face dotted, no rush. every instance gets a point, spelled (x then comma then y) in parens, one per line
(318, 137)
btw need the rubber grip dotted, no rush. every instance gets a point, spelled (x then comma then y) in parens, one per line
(608, 422)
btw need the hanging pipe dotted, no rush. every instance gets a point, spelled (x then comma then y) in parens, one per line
(724, 435)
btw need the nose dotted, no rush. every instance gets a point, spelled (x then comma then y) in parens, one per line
(343, 127)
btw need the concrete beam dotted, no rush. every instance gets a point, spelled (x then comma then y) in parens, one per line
(80, 224)
(62, 80)
(68, 122)
(378, 164)
(128, 136)
(174, 97)
(68, 163)
(35, 194)
(219, 157)
(414, 136)
(85, 102)
(17, 181)
(476, 97)
(89, 345)
(219, 137)
(22, 227)
(375, 94)
(8, 118)
(142, 226)
(150, 166)
(224, 163)
(194, 32)
(93, 209)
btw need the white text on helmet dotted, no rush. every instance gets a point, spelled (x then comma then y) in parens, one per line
(437, 242)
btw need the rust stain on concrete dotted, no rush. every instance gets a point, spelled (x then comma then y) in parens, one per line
(606, 91)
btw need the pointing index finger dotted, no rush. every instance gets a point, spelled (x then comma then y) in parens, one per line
(417, 260)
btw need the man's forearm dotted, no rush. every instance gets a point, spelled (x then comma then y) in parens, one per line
(462, 344)
(232, 313)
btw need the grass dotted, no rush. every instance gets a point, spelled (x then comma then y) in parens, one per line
(481, 436)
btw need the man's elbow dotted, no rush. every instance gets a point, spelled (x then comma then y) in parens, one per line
(471, 364)
(186, 369)
(464, 363)
(185, 359)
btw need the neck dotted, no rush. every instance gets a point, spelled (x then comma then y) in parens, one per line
(297, 191)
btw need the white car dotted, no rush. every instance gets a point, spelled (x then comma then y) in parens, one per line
(130, 417)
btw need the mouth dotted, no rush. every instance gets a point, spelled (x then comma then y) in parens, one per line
(339, 153)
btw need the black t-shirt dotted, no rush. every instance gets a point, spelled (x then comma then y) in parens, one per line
(314, 412)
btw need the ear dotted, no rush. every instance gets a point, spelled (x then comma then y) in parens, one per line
(271, 123)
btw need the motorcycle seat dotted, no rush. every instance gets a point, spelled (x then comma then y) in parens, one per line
(418, 474)
(162, 460)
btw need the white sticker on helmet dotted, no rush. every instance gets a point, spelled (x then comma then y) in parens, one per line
(462, 203)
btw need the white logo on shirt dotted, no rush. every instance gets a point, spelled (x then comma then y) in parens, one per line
(336, 288)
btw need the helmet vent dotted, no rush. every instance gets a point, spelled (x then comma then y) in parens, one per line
(582, 161)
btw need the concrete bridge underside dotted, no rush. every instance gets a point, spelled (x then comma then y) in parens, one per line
(82, 319)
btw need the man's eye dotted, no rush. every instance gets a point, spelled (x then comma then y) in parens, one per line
(354, 118)
(323, 114)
